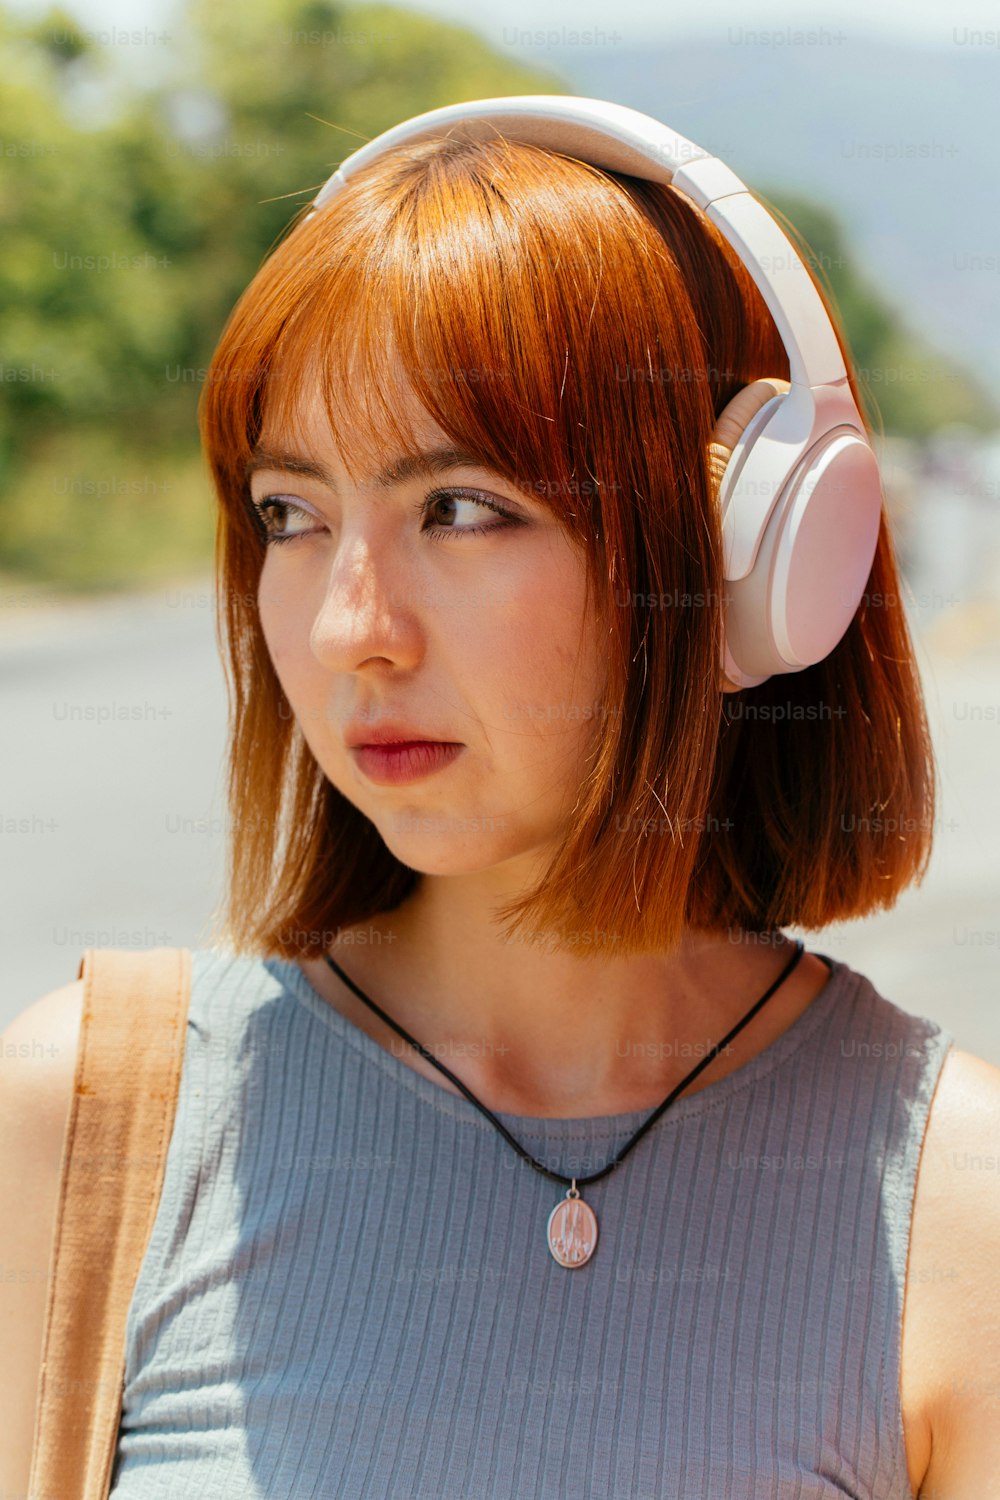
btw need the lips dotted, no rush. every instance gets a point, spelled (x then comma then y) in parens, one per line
(399, 764)
(391, 732)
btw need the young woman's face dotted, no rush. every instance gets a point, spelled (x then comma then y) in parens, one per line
(414, 601)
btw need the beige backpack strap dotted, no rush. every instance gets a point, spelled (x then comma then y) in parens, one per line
(128, 1070)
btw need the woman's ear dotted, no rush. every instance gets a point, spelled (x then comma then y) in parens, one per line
(728, 426)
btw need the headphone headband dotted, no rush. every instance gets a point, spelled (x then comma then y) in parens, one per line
(625, 140)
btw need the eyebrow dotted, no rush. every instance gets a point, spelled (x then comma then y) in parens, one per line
(408, 466)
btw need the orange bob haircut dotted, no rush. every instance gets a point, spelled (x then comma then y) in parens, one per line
(580, 329)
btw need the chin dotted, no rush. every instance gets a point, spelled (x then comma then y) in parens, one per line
(438, 842)
(446, 855)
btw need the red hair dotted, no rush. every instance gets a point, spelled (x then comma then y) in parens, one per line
(580, 330)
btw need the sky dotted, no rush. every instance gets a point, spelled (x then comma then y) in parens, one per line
(923, 22)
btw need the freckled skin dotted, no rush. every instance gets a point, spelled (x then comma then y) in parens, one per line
(476, 638)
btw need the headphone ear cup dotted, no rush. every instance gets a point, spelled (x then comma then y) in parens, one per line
(742, 411)
(791, 606)
(830, 527)
(800, 504)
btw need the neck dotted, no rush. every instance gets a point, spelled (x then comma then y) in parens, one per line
(533, 1031)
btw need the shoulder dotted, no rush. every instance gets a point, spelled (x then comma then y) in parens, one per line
(38, 1064)
(37, 1071)
(38, 1057)
(236, 997)
(37, 1068)
(954, 1241)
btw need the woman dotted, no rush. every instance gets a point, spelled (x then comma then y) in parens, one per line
(466, 427)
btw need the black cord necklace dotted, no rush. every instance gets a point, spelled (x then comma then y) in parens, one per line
(572, 1226)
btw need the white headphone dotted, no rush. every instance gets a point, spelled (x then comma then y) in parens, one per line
(800, 497)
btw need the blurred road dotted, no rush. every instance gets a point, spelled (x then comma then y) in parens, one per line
(112, 818)
(112, 815)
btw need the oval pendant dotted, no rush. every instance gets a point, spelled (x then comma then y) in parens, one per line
(572, 1230)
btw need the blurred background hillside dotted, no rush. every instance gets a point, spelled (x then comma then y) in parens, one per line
(150, 159)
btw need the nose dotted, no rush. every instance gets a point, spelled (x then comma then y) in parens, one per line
(366, 613)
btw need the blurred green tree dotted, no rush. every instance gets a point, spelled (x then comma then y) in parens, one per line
(910, 388)
(135, 207)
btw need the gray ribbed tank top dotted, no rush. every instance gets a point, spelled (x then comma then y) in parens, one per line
(348, 1292)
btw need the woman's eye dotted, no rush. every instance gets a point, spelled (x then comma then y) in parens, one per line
(273, 513)
(443, 504)
(268, 508)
